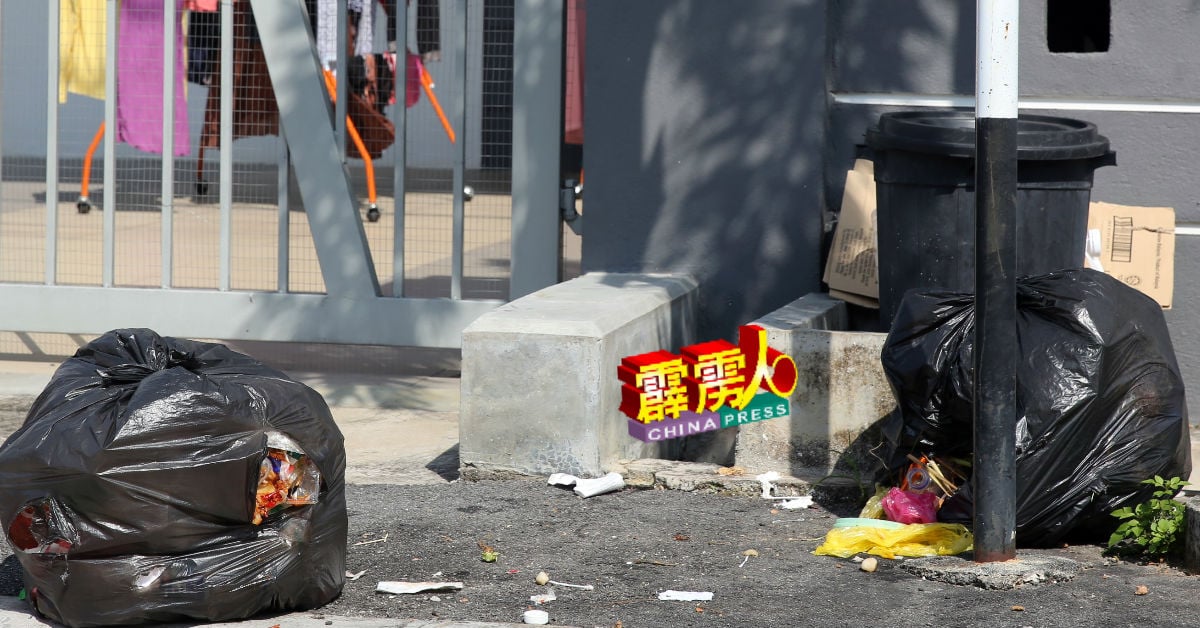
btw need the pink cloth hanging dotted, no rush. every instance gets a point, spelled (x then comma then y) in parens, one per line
(207, 6)
(573, 105)
(140, 78)
(412, 90)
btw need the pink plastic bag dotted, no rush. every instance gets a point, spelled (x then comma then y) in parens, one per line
(905, 507)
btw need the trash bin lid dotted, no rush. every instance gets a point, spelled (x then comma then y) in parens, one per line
(952, 133)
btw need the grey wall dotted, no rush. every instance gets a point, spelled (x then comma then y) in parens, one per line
(704, 133)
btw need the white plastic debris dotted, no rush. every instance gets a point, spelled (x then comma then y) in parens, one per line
(534, 616)
(355, 576)
(544, 597)
(400, 588)
(686, 596)
(607, 483)
(766, 480)
(793, 503)
(561, 479)
(585, 587)
(588, 488)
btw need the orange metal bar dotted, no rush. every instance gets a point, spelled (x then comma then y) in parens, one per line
(367, 161)
(87, 161)
(331, 85)
(427, 85)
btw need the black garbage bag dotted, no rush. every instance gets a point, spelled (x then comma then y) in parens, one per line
(1100, 399)
(130, 494)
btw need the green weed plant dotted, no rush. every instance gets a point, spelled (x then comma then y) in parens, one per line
(1153, 528)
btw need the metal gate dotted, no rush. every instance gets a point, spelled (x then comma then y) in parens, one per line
(298, 233)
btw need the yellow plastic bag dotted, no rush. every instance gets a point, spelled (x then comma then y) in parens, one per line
(890, 541)
(873, 509)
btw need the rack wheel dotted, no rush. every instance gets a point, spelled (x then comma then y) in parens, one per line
(468, 193)
(372, 214)
(202, 189)
(83, 205)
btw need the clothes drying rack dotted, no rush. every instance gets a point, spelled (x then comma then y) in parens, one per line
(84, 204)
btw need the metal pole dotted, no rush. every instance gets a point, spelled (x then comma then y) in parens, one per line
(340, 65)
(52, 61)
(282, 252)
(538, 40)
(225, 185)
(460, 153)
(995, 280)
(168, 142)
(109, 224)
(400, 147)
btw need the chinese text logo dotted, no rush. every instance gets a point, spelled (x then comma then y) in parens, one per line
(708, 386)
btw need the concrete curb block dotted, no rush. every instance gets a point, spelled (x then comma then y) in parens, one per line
(1191, 539)
(539, 388)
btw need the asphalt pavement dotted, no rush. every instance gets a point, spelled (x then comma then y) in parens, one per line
(401, 428)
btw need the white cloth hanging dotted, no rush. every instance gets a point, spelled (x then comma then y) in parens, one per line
(327, 29)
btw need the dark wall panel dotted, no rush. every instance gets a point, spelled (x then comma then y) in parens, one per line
(705, 133)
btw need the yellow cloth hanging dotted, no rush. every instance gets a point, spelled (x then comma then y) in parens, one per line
(81, 32)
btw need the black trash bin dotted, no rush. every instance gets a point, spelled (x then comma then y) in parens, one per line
(925, 191)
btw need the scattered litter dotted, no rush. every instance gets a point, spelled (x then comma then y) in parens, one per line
(437, 574)
(890, 539)
(513, 572)
(682, 537)
(607, 483)
(542, 577)
(355, 576)
(792, 503)
(400, 588)
(750, 552)
(1141, 590)
(686, 596)
(534, 616)
(543, 597)
(382, 539)
(434, 598)
(561, 479)
(657, 563)
(1018, 607)
(585, 587)
(487, 554)
(730, 471)
(910, 507)
(766, 480)
(869, 565)
(744, 561)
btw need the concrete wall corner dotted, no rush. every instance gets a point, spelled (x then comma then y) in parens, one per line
(539, 389)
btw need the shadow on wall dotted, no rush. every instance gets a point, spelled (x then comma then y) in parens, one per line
(704, 137)
(707, 137)
(926, 48)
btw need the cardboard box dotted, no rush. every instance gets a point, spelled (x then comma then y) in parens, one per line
(1135, 245)
(852, 268)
